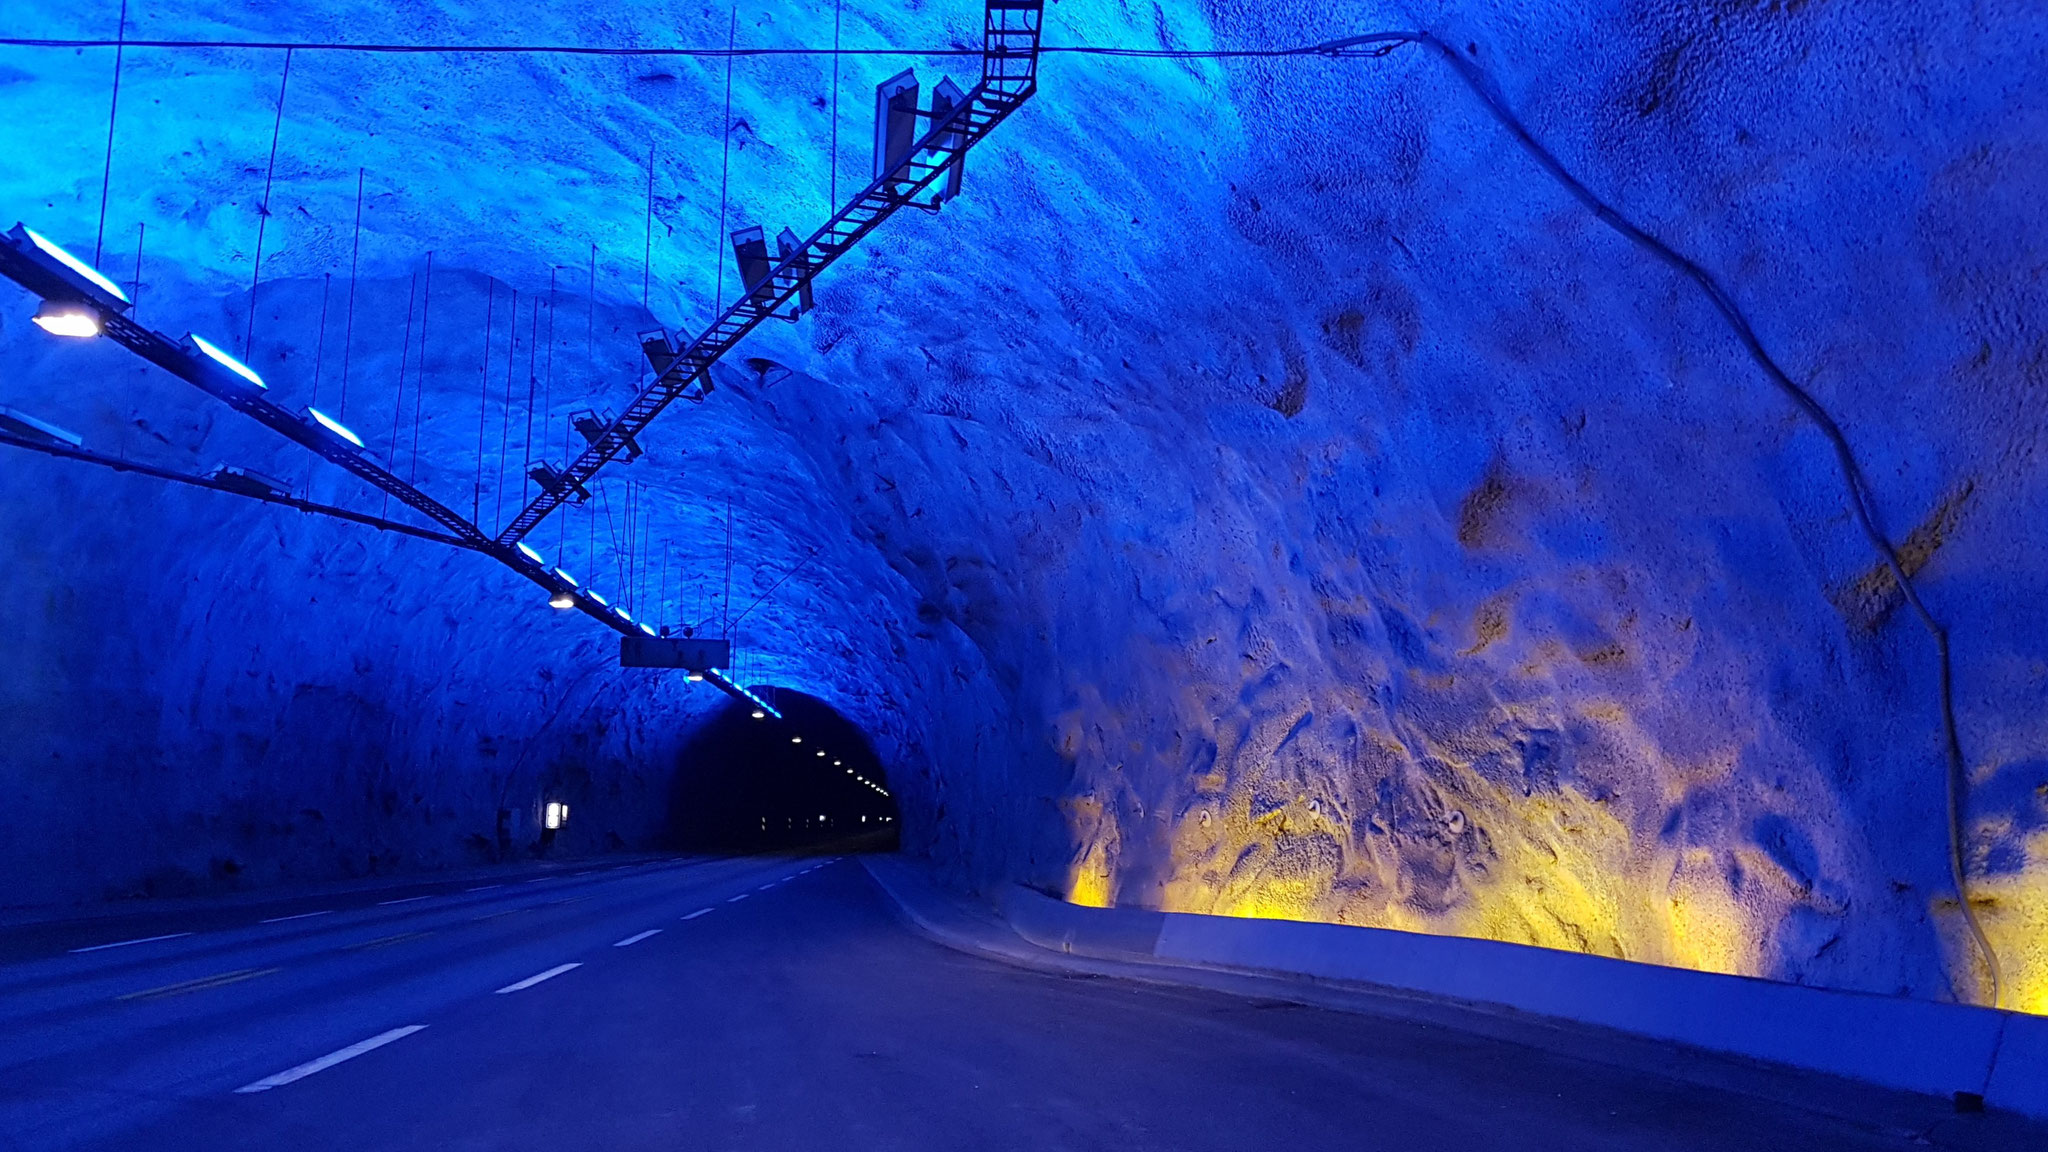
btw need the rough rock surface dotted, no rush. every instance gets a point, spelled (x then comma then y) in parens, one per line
(1266, 492)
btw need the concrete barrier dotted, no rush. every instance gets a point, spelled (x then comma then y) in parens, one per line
(1916, 1045)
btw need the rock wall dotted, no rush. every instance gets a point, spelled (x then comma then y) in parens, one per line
(1266, 492)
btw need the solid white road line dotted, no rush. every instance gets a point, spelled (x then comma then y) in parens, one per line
(736, 899)
(636, 938)
(697, 913)
(330, 1060)
(300, 916)
(530, 981)
(125, 943)
(405, 900)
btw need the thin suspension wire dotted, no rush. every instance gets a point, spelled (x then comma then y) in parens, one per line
(349, 330)
(1318, 49)
(320, 342)
(832, 196)
(483, 404)
(724, 165)
(419, 382)
(113, 110)
(263, 210)
(319, 358)
(404, 350)
(550, 49)
(135, 297)
(532, 358)
(505, 422)
(547, 395)
(647, 251)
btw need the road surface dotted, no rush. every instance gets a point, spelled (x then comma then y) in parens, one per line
(755, 1003)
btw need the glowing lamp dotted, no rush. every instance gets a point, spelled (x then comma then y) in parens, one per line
(62, 319)
(598, 598)
(760, 715)
(529, 553)
(334, 426)
(79, 267)
(554, 815)
(835, 764)
(796, 739)
(696, 677)
(226, 361)
(565, 576)
(821, 753)
(647, 628)
(562, 600)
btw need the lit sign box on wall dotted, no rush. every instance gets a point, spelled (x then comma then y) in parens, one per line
(660, 652)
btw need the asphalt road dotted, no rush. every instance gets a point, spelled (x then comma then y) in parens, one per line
(758, 1003)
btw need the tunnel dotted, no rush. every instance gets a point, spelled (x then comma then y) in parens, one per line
(807, 780)
(1199, 574)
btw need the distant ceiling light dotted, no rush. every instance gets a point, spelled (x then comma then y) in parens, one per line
(334, 426)
(226, 361)
(566, 576)
(76, 265)
(61, 319)
(623, 614)
(596, 597)
(697, 677)
(835, 764)
(796, 739)
(562, 600)
(760, 715)
(529, 553)
(647, 628)
(821, 753)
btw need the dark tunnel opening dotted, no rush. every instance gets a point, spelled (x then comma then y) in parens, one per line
(748, 782)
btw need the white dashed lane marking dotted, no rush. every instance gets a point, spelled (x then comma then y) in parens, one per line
(330, 1060)
(299, 916)
(550, 974)
(636, 937)
(139, 940)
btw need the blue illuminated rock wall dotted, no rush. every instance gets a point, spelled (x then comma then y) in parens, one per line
(1265, 492)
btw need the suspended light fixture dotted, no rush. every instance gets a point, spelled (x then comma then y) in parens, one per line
(596, 597)
(562, 599)
(226, 361)
(796, 739)
(821, 753)
(696, 677)
(567, 577)
(529, 553)
(760, 715)
(624, 615)
(60, 318)
(57, 253)
(334, 426)
(647, 628)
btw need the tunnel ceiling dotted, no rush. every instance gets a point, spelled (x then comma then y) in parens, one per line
(1265, 491)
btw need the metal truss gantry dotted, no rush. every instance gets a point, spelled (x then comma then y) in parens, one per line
(1011, 41)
